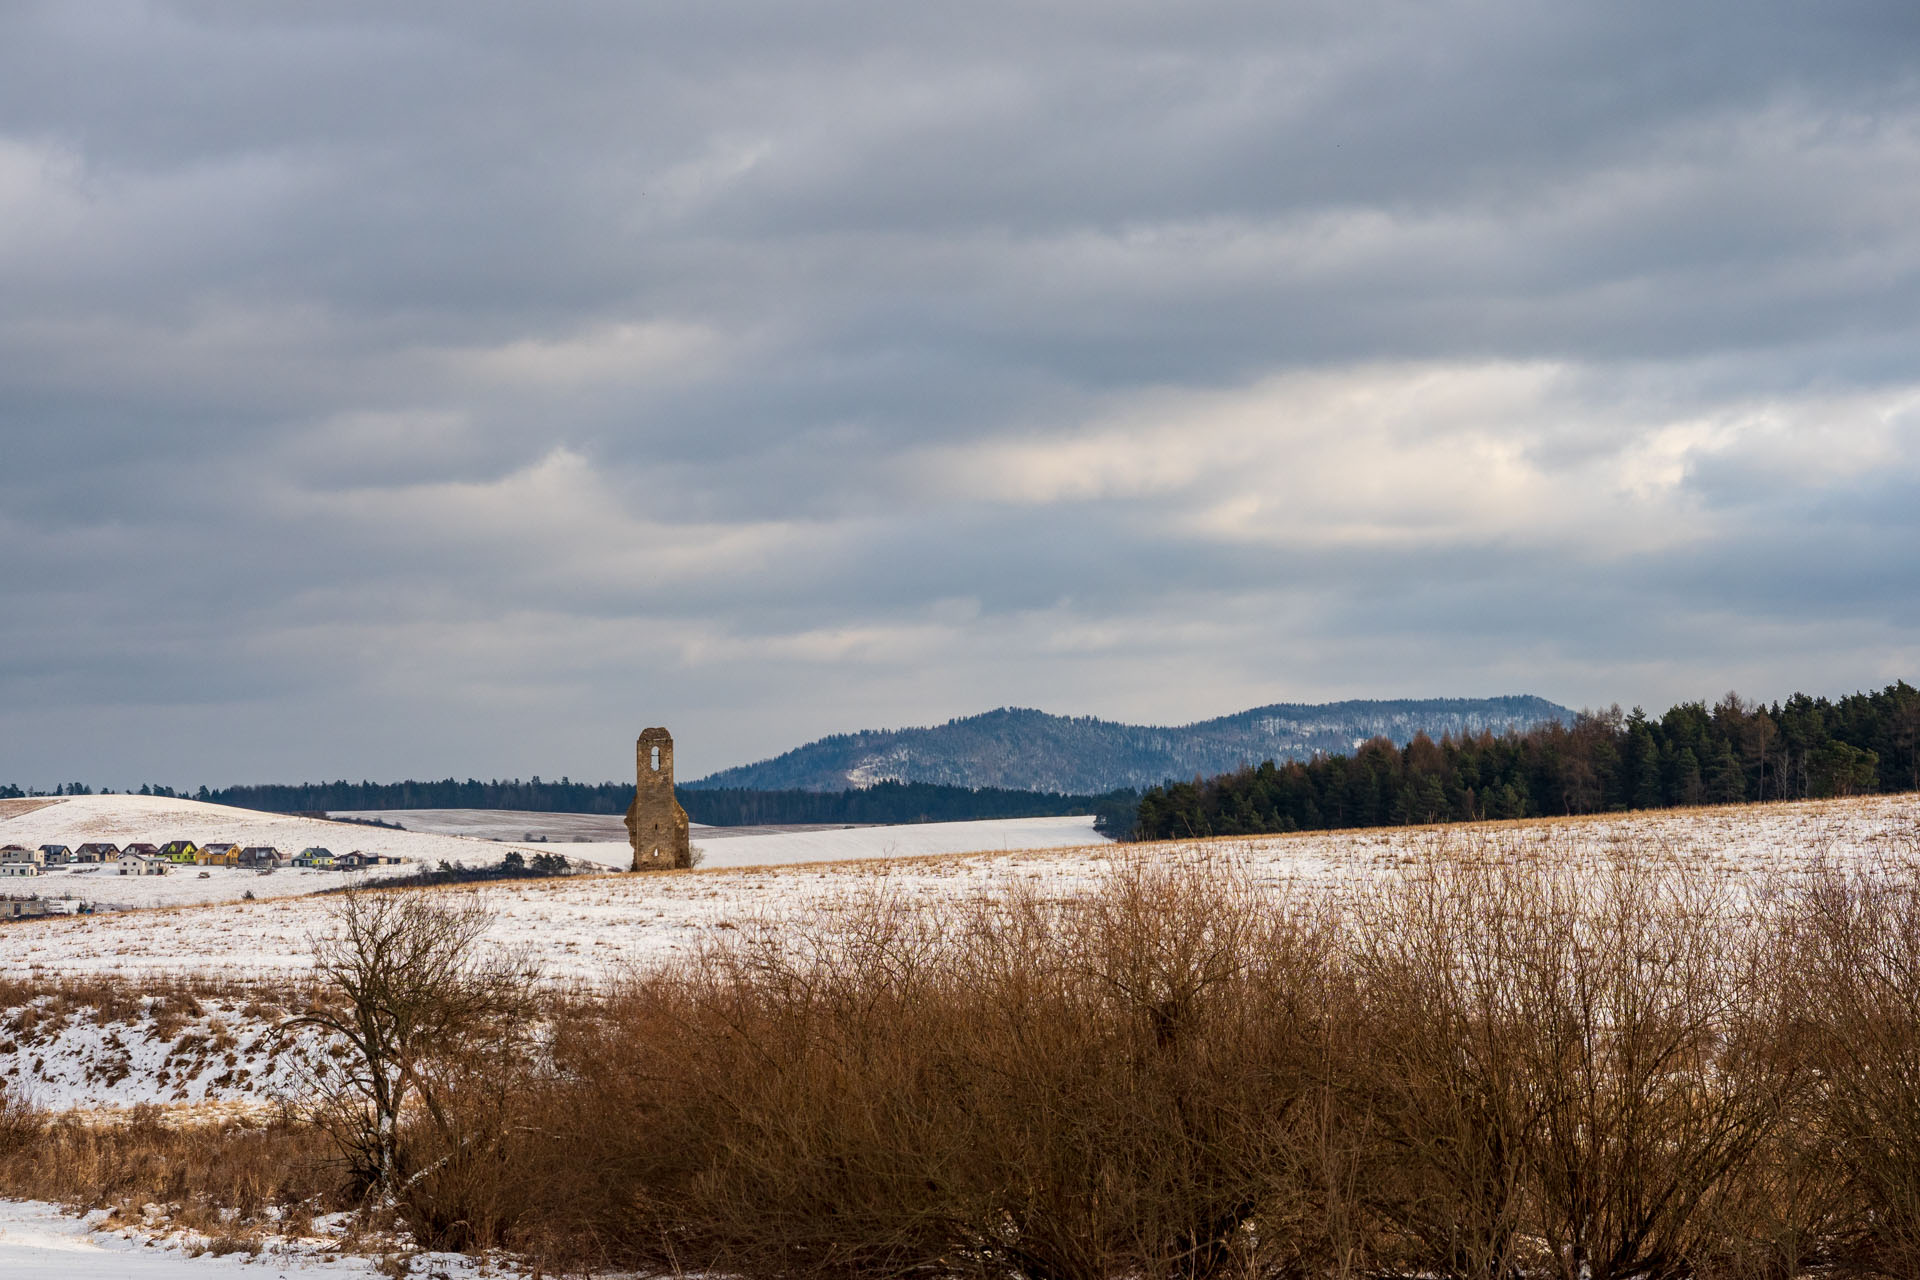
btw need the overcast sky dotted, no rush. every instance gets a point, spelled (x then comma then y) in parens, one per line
(407, 390)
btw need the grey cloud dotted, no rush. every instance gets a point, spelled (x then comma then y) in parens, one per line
(361, 368)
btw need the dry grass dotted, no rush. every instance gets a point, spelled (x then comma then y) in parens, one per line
(20, 807)
(231, 1180)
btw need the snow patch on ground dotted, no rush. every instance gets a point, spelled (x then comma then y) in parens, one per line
(40, 1241)
(174, 1050)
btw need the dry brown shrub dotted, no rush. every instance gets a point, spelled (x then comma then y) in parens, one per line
(1857, 987)
(1575, 1074)
(1490, 1070)
(1125, 1082)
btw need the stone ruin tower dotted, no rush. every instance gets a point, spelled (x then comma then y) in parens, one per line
(656, 824)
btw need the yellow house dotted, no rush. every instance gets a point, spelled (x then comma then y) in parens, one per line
(180, 851)
(219, 855)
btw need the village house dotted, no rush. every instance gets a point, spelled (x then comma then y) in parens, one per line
(27, 908)
(261, 855)
(56, 855)
(144, 849)
(96, 852)
(134, 863)
(219, 853)
(316, 858)
(16, 860)
(179, 852)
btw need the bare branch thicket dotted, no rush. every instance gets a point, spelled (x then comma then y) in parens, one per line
(420, 1010)
(1568, 1073)
(1858, 983)
(1649, 1000)
(1217, 996)
(1437, 1103)
(1122, 1083)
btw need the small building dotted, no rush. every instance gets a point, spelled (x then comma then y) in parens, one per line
(96, 852)
(26, 908)
(56, 855)
(219, 853)
(144, 849)
(316, 857)
(16, 860)
(656, 824)
(132, 863)
(179, 852)
(260, 855)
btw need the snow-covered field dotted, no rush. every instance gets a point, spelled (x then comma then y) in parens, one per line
(499, 824)
(77, 820)
(846, 844)
(588, 928)
(601, 839)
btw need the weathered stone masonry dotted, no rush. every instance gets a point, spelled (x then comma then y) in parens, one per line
(656, 824)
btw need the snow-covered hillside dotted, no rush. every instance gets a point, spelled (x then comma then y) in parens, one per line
(78, 820)
(174, 1048)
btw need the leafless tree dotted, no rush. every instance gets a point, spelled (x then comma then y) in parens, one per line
(418, 998)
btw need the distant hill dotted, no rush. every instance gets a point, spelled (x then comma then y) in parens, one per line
(1030, 750)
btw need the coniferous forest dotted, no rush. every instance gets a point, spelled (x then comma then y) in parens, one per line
(1729, 753)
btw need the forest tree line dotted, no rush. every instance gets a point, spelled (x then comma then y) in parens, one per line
(886, 802)
(1730, 753)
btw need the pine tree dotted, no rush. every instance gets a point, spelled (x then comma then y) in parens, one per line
(1726, 784)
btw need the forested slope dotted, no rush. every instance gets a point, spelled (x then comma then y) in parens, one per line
(1733, 752)
(1033, 751)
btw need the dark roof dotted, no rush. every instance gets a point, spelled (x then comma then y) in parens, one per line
(54, 848)
(316, 849)
(99, 846)
(141, 847)
(259, 848)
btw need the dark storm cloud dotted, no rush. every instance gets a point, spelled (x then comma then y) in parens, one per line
(456, 388)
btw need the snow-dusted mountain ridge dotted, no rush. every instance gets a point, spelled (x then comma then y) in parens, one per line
(1031, 750)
